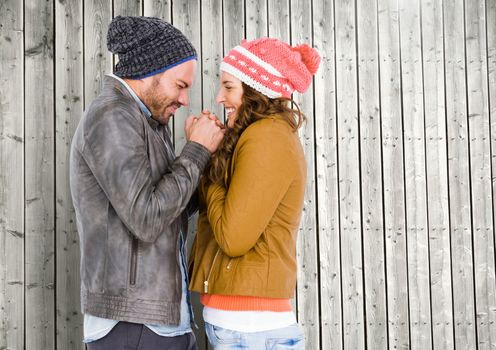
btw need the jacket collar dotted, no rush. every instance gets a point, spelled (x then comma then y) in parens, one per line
(118, 82)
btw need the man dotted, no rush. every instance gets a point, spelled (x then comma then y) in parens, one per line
(131, 193)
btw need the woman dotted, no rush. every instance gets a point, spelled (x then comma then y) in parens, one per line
(243, 261)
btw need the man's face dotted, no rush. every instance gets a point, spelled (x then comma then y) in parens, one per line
(164, 93)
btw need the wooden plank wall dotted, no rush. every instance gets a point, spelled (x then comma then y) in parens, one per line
(397, 243)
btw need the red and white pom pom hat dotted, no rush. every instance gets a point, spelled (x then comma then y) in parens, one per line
(272, 67)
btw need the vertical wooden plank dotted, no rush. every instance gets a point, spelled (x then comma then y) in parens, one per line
(39, 180)
(186, 17)
(68, 111)
(11, 175)
(349, 175)
(233, 28)
(480, 165)
(393, 174)
(327, 178)
(416, 197)
(279, 20)
(233, 23)
(97, 58)
(127, 7)
(491, 68)
(370, 145)
(307, 250)
(256, 19)
(212, 51)
(459, 177)
(279, 27)
(437, 185)
(158, 8)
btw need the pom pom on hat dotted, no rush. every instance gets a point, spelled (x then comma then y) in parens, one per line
(309, 56)
(272, 67)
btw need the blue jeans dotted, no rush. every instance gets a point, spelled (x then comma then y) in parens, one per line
(287, 338)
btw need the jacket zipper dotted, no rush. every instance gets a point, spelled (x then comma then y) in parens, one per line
(134, 261)
(205, 283)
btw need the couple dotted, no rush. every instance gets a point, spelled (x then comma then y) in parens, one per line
(133, 196)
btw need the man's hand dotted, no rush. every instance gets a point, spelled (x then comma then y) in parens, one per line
(206, 130)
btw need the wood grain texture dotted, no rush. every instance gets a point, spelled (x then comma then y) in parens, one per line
(256, 19)
(12, 138)
(416, 194)
(371, 179)
(97, 58)
(327, 178)
(212, 52)
(349, 176)
(459, 178)
(394, 173)
(127, 7)
(397, 240)
(68, 110)
(307, 246)
(39, 176)
(442, 321)
(480, 169)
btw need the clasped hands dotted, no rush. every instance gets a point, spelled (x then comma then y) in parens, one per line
(205, 129)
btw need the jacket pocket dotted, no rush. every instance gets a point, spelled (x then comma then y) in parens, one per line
(134, 261)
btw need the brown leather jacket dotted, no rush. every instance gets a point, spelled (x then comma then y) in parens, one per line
(246, 236)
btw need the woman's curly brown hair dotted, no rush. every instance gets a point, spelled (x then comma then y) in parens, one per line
(254, 106)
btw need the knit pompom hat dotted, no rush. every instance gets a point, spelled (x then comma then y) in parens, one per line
(146, 46)
(272, 67)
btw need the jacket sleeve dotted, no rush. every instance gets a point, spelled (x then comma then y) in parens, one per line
(115, 150)
(239, 215)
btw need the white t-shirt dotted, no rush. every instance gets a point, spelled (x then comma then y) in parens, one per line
(248, 321)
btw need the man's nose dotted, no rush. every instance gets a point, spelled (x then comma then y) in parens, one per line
(184, 98)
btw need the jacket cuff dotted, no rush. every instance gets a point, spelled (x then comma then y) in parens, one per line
(197, 153)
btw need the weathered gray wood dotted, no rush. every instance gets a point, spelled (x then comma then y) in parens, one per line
(416, 197)
(256, 19)
(480, 161)
(68, 111)
(11, 175)
(327, 178)
(306, 251)
(233, 24)
(128, 7)
(459, 178)
(455, 168)
(39, 176)
(437, 190)
(394, 201)
(279, 21)
(158, 8)
(349, 176)
(233, 29)
(370, 145)
(212, 52)
(491, 63)
(279, 27)
(97, 58)
(186, 17)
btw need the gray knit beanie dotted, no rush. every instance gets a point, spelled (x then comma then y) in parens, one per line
(146, 46)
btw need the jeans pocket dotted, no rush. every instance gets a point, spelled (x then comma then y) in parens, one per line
(219, 335)
(297, 343)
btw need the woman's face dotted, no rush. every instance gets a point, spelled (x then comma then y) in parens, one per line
(229, 95)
